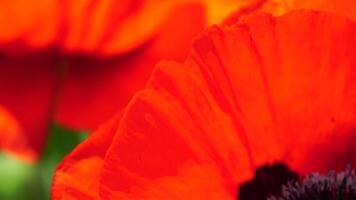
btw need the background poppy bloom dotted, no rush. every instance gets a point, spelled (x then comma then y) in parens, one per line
(258, 91)
(80, 62)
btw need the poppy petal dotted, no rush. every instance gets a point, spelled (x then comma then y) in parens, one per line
(27, 85)
(345, 8)
(218, 10)
(263, 90)
(104, 86)
(157, 148)
(12, 138)
(242, 99)
(86, 159)
(111, 26)
(307, 64)
(33, 24)
(102, 26)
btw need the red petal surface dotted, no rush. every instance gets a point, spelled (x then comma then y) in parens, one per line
(112, 27)
(27, 86)
(79, 173)
(218, 10)
(101, 87)
(92, 85)
(346, 8)
(261, 91)
(307, 64)
(26, 24)
(101, 26)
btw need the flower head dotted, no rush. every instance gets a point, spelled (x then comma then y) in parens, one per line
(264, 89)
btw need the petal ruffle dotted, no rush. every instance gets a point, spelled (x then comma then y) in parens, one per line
(87, 158)
(161, 159)
(263, 90)
(104, 86)
(242, 99)
(27, 85)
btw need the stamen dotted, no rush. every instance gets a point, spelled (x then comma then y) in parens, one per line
(334, 186)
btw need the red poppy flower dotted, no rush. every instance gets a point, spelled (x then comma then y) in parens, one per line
(262, 90)
(81, 60)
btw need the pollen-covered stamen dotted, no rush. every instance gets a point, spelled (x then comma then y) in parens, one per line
(334, 186)
(268, 181)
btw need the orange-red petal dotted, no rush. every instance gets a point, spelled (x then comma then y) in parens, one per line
(102, 27)
(104, 86)
(345, 8)
(218, 10)
(78, 176)
(26, 24)
(99, 85)
(110, 27)
(307, 64)
(265, 89)
(27, 86)
(244, 98)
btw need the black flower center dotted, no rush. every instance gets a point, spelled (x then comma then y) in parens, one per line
(334, 186)
(268, 181)
(278, 182)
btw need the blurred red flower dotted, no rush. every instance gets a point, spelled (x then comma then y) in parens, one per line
(260, 90)
(79, 62)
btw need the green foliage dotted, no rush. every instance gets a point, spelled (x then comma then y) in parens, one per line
(22, 181)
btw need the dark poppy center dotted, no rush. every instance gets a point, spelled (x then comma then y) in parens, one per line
(278, 182)
(268, 181)
(334, 186)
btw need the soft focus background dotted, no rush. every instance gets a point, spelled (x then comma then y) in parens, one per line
(22, 181)
(76, 64)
